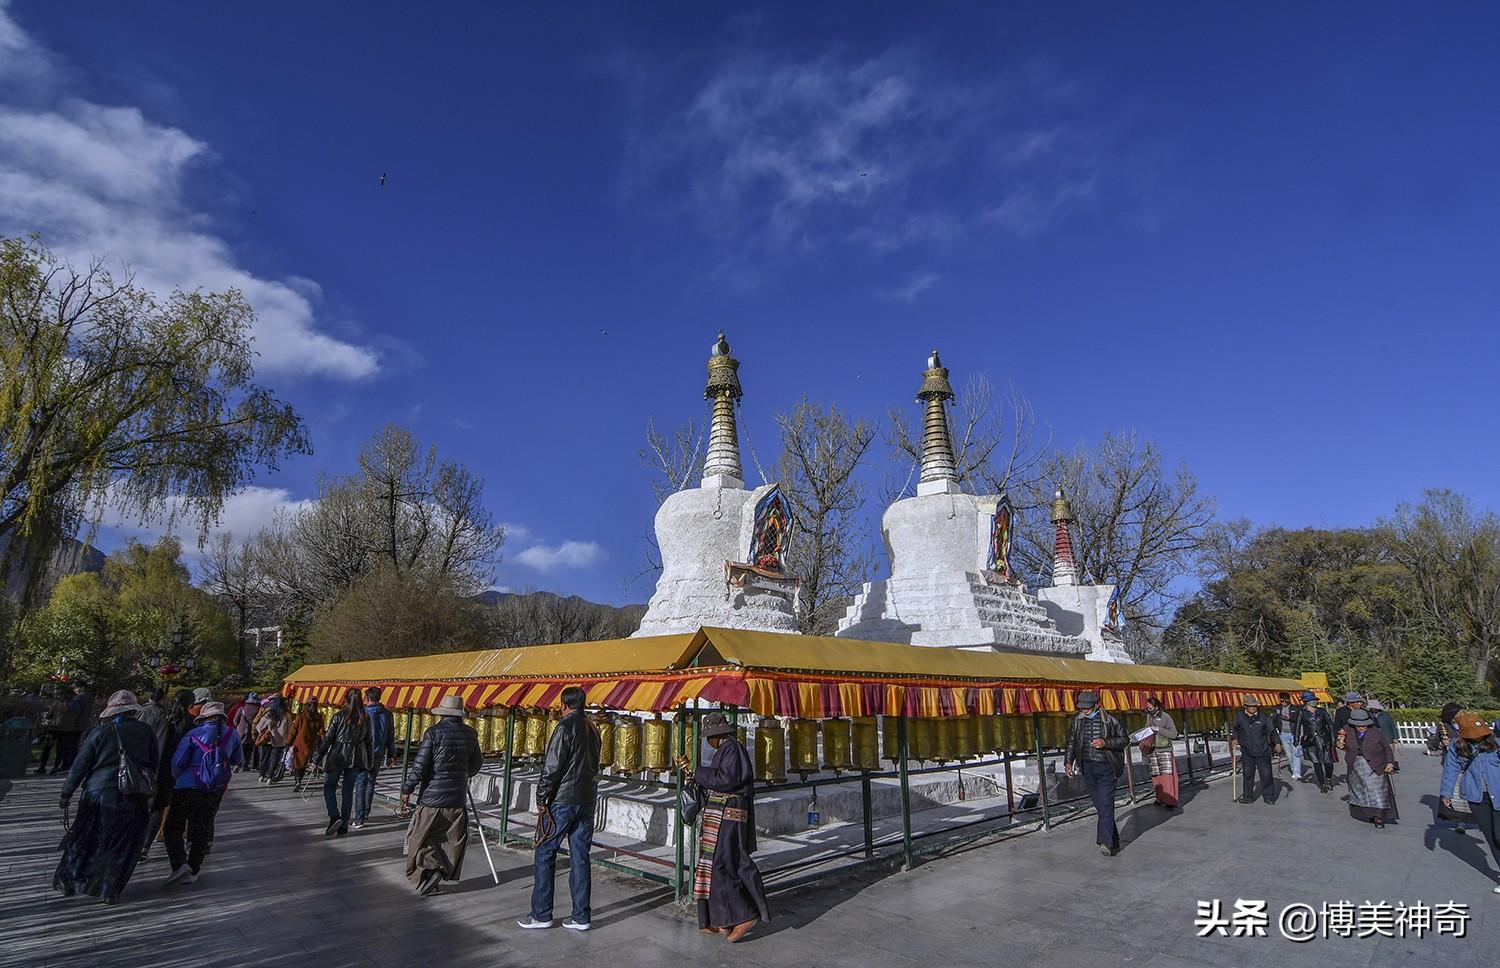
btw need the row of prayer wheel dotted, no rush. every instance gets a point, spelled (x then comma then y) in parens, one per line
(630, 745)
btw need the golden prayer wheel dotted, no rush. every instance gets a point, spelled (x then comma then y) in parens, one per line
(966, 737)
(770, 751)
(890, 737)
(945, 739)
(1023, 735)
(989, 734)
(485, 727)
(837, 755)
(804, 746)
(535, 743)
(866, 743)
(605, 724)
(743, 735)
(627, 758)
(921, 741)
(552, 720)
(1057, 725)
(658, 755)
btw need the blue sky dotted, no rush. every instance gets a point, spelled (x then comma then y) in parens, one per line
(1262, 236)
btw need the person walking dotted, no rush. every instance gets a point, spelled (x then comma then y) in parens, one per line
(566, 791)
(103, 844)
(1285, 717)
(727, 885)
(343, 754)
(383, 753)
(52, 714)
(202, 766)
(202, 695)
(242, 718)
(1255, 736)
(1473, 773)
(1368, 754)
(1157, 749)
(307, 733)
(72, 717)
(1315, 733)
(154, 712)
(1387, 725)
(1096, 745)
(175, 725)
(439, 832)
(273, 730)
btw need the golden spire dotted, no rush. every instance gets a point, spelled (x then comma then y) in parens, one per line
(937, 447)
(1064, 567)
(723, 389)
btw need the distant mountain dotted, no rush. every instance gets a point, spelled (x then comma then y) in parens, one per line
(70, 558)
(529, 618)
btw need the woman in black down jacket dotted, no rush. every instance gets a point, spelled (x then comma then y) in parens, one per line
(104, 842)
(439, 831)
(344, 753)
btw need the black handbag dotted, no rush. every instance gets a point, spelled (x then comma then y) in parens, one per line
(131, 780)
(691, 803)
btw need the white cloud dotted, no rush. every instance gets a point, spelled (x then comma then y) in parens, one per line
(912, 288)
(515, 531)
(564, 555)
(106, 181)
(244, 513)
(885, 153)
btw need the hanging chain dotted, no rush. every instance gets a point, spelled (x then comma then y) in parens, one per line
(739, 419)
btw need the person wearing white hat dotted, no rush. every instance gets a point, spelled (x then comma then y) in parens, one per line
(439, 832)
(104, 842)
(202, 765)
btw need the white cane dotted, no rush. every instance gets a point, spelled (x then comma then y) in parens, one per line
(482, 842)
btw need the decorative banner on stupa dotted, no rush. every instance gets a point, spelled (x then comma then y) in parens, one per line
(1113, 619)
(773, 531)
(1002, 531)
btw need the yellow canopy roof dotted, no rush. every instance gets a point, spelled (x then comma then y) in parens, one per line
(771, 652)
(582, 659)
(825, 655)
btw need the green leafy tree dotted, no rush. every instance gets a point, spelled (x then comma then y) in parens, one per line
(111, 396)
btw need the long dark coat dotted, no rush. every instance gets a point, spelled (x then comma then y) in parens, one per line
(737, 894)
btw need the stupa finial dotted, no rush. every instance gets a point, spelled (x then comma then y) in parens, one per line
(937, 446)
(1064, 568)
(723, 460)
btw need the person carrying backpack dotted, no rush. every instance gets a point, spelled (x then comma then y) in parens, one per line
(203, 764)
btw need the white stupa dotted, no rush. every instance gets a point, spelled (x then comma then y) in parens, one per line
(1090, 612)
(720, 565)
(950, 581)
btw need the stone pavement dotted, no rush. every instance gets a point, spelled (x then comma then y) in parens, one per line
(275, 891)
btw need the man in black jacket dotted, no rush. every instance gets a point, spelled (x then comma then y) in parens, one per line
(565, 809)
(439, 831)
(1096, 745)
(1255, 735)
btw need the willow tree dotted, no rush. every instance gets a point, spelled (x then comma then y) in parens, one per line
(113, 397)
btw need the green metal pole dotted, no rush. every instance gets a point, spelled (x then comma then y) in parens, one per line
(505, 781)
(864, 783)
(908, 858)
(697, 757)
(406, 750)
(677, 812)
(1041, 772)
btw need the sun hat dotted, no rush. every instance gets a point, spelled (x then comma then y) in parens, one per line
(714, 724)
(1374, 706)
(1309, 696)
(252, 697)
(202, 694)
(1249, 700)
(1353, 697)
(1361, 717)
(1087, 699)
(450, 706)
(210, 710)
(121, 702)
(1472, 727)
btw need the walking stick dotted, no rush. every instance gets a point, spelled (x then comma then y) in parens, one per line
(480, 827)
(1234, 774)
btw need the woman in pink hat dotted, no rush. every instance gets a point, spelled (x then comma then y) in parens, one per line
(104, 840)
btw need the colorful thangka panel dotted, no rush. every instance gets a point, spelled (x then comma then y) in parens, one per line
(1113, 617)
(1002, 531)
(773, 531)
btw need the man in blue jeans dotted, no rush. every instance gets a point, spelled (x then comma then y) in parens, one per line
(565, 795)
(382, 753)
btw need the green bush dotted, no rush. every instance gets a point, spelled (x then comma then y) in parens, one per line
(1426, 714)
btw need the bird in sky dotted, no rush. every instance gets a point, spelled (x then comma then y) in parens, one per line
(382, 179)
